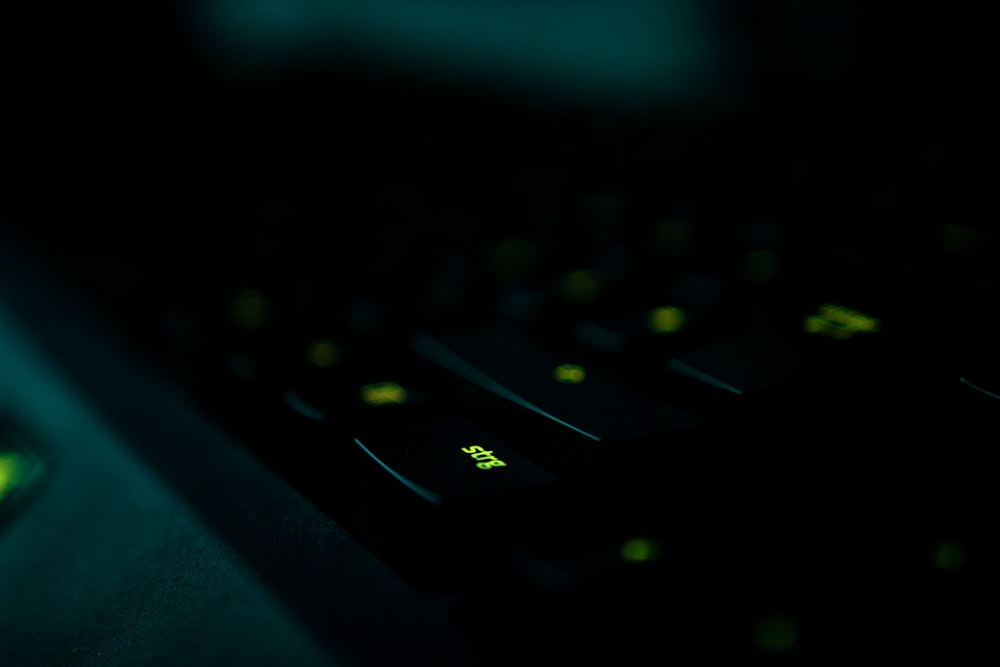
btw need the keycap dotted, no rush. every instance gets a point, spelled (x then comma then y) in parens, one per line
(806, 353)
(451, 461)
(437, 499)
(769, 353)
(563, 388)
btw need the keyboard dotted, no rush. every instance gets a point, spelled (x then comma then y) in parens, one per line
(463, 379)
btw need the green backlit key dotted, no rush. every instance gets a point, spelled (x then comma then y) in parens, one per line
(451, 460)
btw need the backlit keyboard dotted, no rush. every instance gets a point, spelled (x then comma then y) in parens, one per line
(718, 388)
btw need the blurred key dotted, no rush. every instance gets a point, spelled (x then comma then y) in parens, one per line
(564, 387)
(784, 345)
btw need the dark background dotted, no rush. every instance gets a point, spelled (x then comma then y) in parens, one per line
(153, 175)
(116, 118)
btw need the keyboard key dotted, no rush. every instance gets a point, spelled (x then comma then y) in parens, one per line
(808, 354)
(439, 499)
(769, 354)
(450, 461)
(568, 389)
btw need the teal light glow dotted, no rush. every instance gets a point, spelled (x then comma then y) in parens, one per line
(421, 491)
(979, 389)
(639, 50)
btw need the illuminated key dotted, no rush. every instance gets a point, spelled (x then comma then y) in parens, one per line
(816, 324)
(450, 460)
(640, 550)
(773, 351)
(384, 393)
(666, 319)
(569, 373)
(587, 400)
(838, 322)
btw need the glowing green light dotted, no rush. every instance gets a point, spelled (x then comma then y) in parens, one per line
(639, 550)
(776, 633)
(249, 309)
(484, 457)
(813, 324)
(818, 325)
(323, 353)
(851, 319)
(839, 322)
(569, 373)
(666, 319)
(949, 556)
(12, 472)
(580, 286)
(384, 393)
